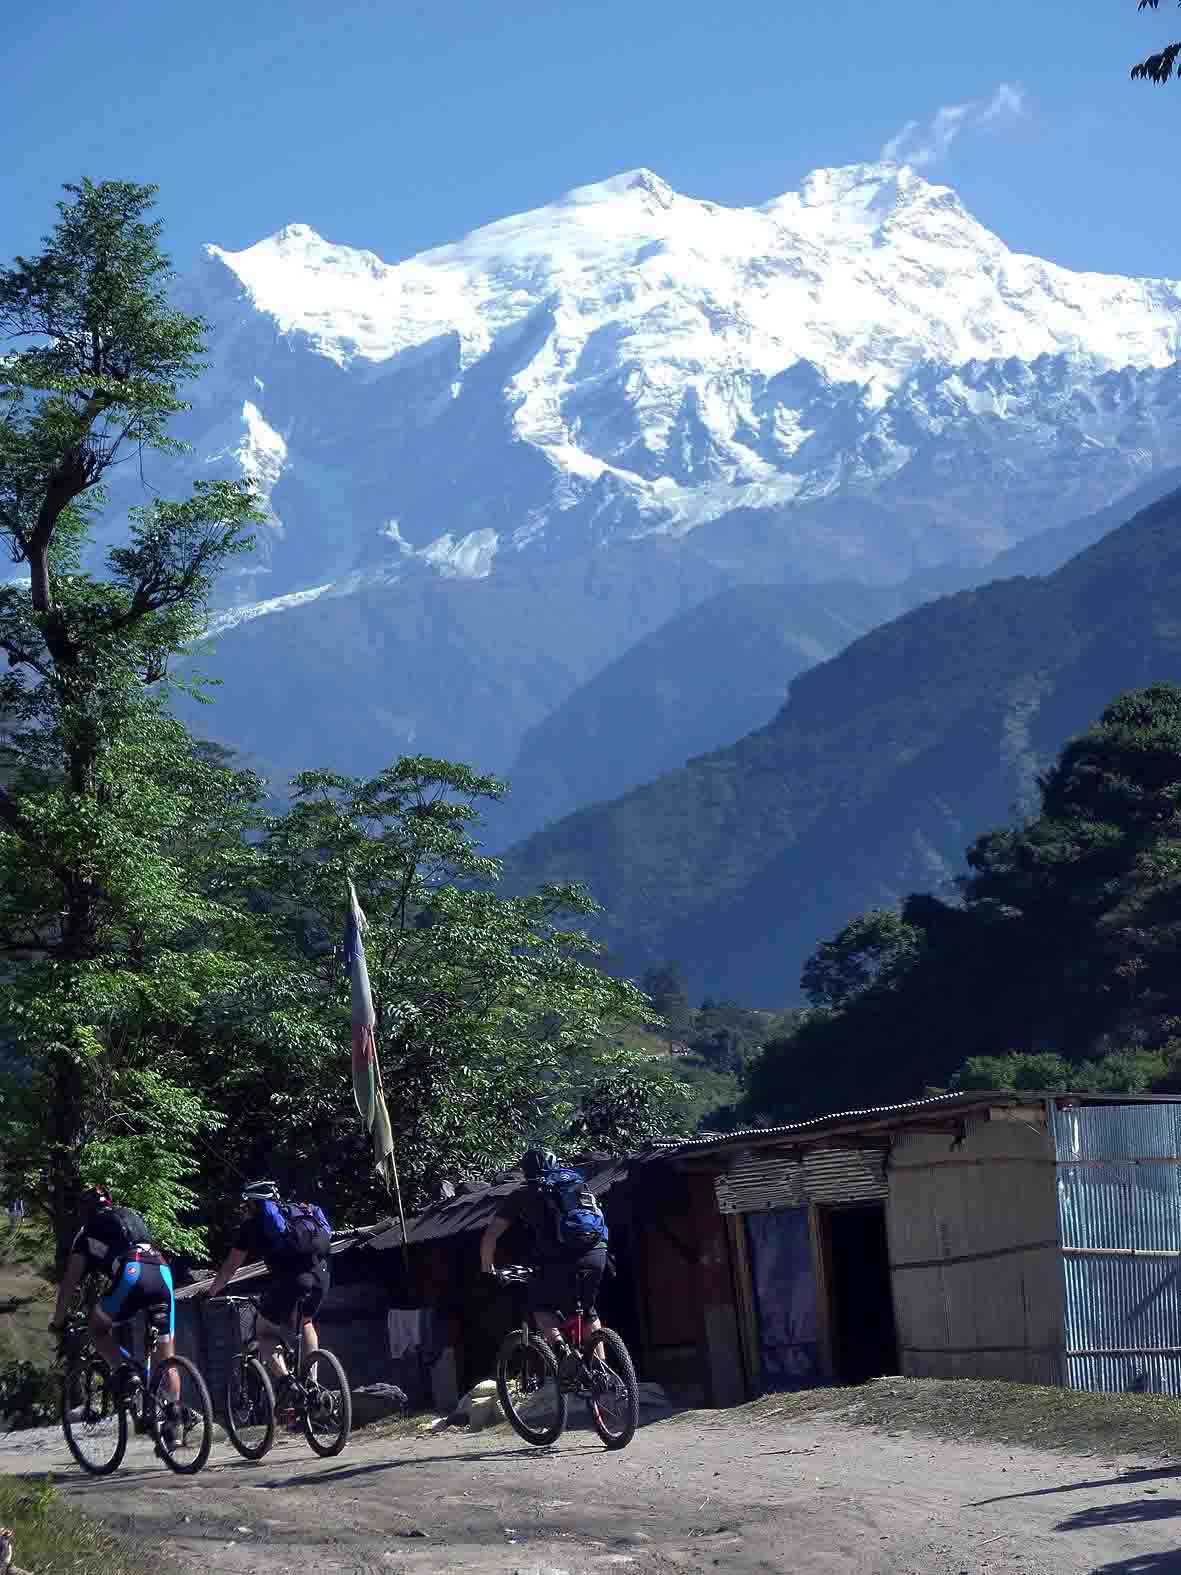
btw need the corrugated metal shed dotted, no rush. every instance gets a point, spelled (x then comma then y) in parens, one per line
(1119, 1214)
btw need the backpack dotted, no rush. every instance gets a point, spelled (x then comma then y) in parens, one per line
(297, 1233)
(132, 1226)
(578, 1219)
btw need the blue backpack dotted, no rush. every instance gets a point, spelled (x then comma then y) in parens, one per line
(297, 1233)
(578, 1219)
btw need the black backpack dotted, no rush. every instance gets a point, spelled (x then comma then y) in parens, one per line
(133, 1229)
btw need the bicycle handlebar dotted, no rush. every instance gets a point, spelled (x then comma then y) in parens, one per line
(514, 1274)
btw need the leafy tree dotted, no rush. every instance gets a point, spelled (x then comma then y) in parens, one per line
(632, 1100)
(1162, 65)
(664, 986)
(873, 949)
(1050, 1073)
(486, 1006)
(1065, 944)
(100, 788)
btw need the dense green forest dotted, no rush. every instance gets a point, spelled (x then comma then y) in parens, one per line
(883, 765)
(1055, 967)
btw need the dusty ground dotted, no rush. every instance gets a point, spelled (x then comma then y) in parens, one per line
(694, 1494)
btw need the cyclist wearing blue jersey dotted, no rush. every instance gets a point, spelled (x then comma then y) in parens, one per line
(115, 1243)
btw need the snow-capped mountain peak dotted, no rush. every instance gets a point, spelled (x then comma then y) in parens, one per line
(628, 359)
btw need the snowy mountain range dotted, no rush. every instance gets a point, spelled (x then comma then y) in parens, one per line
(629, 361)
(493, 469)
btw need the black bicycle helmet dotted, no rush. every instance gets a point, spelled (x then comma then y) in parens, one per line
(536, 1160)
(260, 1192)
(96, 1198)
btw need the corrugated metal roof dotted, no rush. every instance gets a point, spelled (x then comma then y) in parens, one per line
(890, 1115)
(476, 1206)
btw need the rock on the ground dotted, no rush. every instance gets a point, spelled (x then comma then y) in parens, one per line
(375, 1402)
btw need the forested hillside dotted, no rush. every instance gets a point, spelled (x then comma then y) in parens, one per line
(872, 779)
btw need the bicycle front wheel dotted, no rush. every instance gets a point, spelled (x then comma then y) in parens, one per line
(250, 1408)
(327, 1405)
(183, 1415)
(527, 1384)
(94, 1424)
(614, 1399)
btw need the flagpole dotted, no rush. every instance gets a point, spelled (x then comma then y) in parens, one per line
(398, 1193)
(401, 1214)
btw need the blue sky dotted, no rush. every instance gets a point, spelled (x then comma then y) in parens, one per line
(401, 125)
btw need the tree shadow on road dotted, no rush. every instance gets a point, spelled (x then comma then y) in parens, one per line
(342, 1473)
(1130, 1514)
(1143, 1564)
(1124, 1478)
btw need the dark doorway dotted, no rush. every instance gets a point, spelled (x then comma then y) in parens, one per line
(864, 1339)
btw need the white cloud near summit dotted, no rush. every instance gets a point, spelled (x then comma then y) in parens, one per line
(918, 145)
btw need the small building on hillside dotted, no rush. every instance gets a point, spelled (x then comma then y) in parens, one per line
(1025, 1236)
(1033, 1237)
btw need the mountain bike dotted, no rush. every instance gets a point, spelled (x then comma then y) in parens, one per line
(100, 1408)
(315, 1388)
(535, 1389)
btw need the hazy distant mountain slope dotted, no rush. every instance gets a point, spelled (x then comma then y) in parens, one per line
(721, 670)
(706, 677)
(879, 769)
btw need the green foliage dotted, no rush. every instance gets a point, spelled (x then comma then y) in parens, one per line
(485, 1005)
(1159, 67)
(874, 949)
(873, 777)
(631, 1100)
(113, 833)
(28, 1394)
(1058, 967)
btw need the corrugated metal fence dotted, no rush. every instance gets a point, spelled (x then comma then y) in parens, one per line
(1119, 1215)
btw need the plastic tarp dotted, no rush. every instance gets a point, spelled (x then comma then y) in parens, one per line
(785, 1296)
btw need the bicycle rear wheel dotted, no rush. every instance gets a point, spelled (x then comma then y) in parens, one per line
(184, 1420)
(94, 1424)
(250, 1407)
(328, 1403)
(614, 1400)
(527, 1384)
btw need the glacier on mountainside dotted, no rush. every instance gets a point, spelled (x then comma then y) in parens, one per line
(859, 374)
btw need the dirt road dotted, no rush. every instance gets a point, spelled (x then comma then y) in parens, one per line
(694, 1494)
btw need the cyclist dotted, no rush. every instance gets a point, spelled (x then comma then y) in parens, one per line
(115, 1241)
(298, 1283)
(565, 1274)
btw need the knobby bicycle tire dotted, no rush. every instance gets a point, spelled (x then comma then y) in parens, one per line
(619, 1361)
(323, 1358)
(539, 1349)
(186, 1369)
(78, 1380)
(249, 1371)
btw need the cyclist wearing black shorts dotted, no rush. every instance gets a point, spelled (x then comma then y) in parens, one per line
(563, 1278)
(295, 1289)
(114, 1242)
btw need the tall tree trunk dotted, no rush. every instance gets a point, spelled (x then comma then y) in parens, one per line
(65, 1128)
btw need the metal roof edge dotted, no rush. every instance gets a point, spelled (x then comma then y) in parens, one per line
(898, 1114)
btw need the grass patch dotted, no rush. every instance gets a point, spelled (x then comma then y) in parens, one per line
(972, 1409)
(52, 1539)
